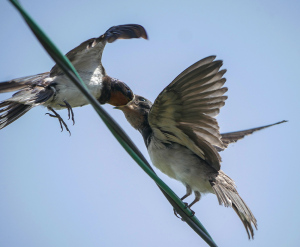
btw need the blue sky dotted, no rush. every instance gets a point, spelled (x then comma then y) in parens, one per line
(84, 190)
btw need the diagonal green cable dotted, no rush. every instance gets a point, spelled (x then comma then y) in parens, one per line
(116, 130)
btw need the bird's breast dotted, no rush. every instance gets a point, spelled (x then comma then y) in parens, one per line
(180, 163)
(67, 91)
(161, 157)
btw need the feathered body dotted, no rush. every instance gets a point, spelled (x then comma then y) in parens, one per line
(55, 90)
(182, 164)
(182, 135)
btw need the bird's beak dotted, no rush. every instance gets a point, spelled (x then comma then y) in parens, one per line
(117, 98)
(119, 107)
(124, 107)
(128, 106)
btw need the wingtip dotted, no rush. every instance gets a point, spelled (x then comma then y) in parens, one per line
(127, 31)
(214, 57)
(283, 121)
(142, 31)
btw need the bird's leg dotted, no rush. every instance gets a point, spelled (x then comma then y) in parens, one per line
(70, 110)
(61, 121)
(188, 193)
(197, 199)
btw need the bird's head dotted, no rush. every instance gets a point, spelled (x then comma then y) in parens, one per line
(115, 92)
(136, 111)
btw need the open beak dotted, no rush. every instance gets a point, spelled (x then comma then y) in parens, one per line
(128, 106)
(119, 107)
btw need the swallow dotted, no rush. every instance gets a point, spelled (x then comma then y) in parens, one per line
(56, 91)
(182, 135)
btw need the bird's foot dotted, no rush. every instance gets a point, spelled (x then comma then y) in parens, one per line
(70, 110)
(193, 213)
(186, 206)
(61, 121)
(189, 206)
(176, 214)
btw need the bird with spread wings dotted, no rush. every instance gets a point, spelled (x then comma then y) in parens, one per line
(54, 89)
(182, 134)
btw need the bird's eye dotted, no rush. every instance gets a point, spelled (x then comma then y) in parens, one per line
(142, 99)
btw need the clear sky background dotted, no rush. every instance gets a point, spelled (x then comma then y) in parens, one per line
(84, 190)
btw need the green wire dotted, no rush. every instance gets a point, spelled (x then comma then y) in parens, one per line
(116, 130)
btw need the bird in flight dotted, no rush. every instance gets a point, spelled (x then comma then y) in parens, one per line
(182, 135)
(56, 91)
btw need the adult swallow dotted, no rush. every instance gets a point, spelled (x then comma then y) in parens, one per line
(182, 135)
(54, 89)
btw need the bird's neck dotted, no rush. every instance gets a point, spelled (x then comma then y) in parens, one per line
(106, 90)
(146, 132)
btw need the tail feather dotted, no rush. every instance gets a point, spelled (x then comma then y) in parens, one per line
(227, 195)
(246, 223)
(11, 111)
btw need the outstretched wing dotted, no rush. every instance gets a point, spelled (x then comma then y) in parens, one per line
(19, 83)
(87, 56)
(233, 137)
(184, 112)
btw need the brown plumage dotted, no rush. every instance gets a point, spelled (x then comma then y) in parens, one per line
(54, 90)
(182, 135)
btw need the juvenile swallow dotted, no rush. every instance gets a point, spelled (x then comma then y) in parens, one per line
(182, 135)
(55, 90)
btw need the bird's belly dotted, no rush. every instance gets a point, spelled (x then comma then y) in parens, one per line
(182, 164)
(67, 91)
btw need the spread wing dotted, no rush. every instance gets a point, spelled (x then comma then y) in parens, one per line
(87, 56)
(232, 137)
(184, 112)
(19, 83)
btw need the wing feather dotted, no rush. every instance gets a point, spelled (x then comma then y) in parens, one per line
(19, 83)
(194, 66)
(88, 55)
(232, 137)
(184, 112)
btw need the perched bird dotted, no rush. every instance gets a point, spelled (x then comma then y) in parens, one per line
(54, 89)
(182, 135)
